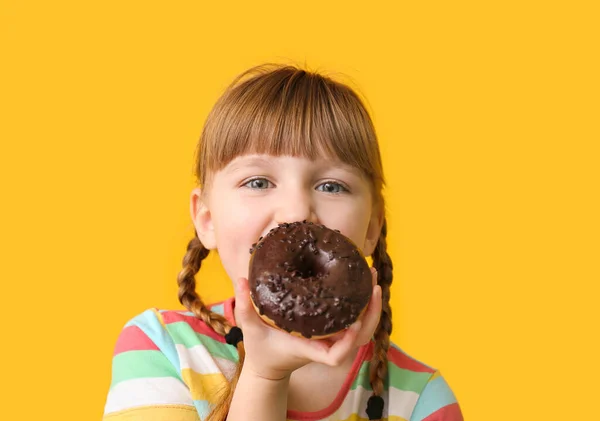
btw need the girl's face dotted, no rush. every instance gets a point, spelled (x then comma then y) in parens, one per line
(255, 193)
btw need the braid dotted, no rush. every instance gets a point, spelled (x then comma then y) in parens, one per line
(219, 413)
(383, 264)
(196, 253)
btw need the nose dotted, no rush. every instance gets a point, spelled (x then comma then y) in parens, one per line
(295, 206)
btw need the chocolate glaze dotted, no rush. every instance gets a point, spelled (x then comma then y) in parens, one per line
(309, 279)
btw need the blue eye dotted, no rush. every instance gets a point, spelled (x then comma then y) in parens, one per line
(257, 183)
(331, 187)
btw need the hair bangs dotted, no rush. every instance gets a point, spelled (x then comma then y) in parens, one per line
(292, 112)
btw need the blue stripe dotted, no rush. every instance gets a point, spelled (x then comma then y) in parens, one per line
(219, 309)
(203, 408)
(150, 325)
(435, 396)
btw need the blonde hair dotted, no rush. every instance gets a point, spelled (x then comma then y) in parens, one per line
(284, 110)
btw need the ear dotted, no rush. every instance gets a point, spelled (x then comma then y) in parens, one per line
(374, 229)
(202, 219)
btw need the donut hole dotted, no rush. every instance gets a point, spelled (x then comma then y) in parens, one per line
(309, 265)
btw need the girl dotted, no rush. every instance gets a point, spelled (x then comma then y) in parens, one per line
(281, 145)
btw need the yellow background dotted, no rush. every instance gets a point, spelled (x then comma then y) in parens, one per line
(488, 114)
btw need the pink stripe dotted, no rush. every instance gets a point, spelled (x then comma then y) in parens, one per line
(228, 306)
(196, 324)
(406, 362)
(447, 413)
(337, 402)
(133, 339)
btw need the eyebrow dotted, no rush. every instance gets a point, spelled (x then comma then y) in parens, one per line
(259, 161)
(245, 162)
(339, 165)
(356, 171)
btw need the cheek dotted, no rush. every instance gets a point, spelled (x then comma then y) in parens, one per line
(237, 227)
(239, 218)
(352, 221)
(229, 226)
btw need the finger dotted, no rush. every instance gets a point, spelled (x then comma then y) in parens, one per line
(373, 276)
(300, 348)
(342, 348)
(370, 319)
(307, 347)
(244, 310)
(242, 292)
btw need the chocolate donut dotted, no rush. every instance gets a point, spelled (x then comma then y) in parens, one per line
(308, 280)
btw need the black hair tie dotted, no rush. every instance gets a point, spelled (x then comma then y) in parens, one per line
(375, 407)
(234, 336)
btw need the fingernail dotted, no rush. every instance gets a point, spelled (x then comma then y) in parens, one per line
(356, 326)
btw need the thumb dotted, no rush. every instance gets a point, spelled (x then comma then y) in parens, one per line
(242, 298)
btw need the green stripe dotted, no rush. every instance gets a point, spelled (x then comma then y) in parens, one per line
(362, 378)
(398, 378)
(183, 334)
(141, 364)
(408, 380)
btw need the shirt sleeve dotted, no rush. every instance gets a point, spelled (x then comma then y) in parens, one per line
(437, 402)
(146, 383)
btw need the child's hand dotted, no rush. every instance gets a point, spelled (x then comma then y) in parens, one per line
(275, 354)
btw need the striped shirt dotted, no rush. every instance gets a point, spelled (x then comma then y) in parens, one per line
(171, 365)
